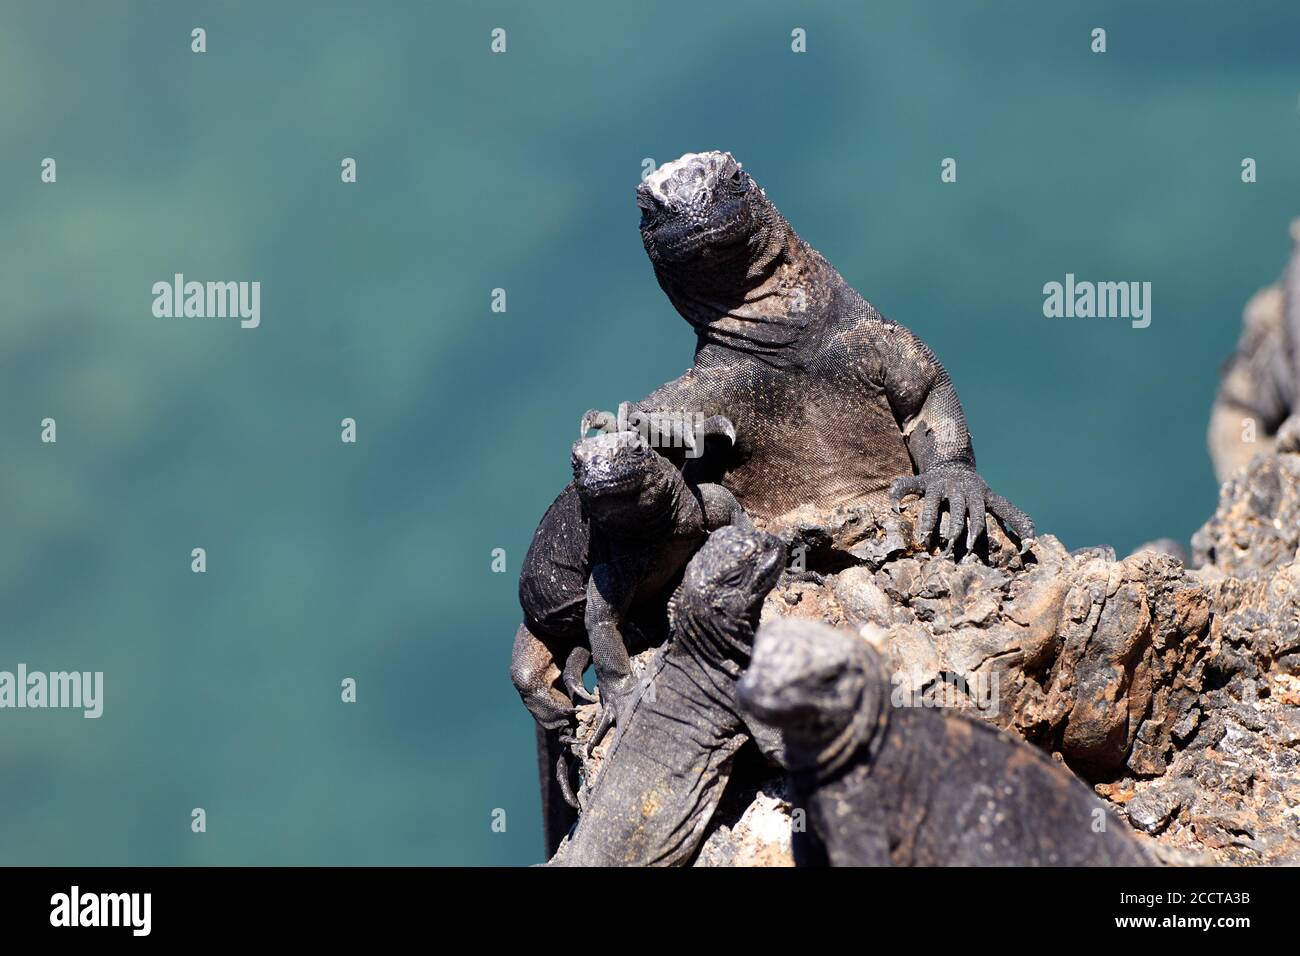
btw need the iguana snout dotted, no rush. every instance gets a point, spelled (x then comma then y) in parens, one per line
(699, 203)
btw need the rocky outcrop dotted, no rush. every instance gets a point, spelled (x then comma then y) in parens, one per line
(1174, 692)
(1086, 656)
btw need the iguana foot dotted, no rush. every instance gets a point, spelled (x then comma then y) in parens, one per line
(532, 671)
(968, 497)
(661, 429)
(549, 708)
(617, 698)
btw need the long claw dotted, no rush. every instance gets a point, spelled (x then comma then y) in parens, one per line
(929, 515)
(900, 488)
(595, 418)
(956, 518)
(975, 509)
(1012, 517)
(718, 425)
(605, 722)
(571, 677)
(562, 777)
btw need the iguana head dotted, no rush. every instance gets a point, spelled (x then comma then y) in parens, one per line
(722, 591)
(726, 257)
(702, 205)
(621, 479)
(820, 686)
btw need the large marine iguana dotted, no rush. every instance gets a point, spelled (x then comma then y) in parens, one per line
(666, 770)
(603, 561)
(909, 786)
(833, 404)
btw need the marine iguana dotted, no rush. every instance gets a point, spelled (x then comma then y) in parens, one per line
(833, 404)
(885, 785)
(1259, 389)
(604, 560)
(667, 768)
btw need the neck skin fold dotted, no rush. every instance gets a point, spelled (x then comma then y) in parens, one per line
(762, 300)
(653, 522)
(722, 642)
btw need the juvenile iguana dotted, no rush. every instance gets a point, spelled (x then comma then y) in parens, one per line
(607, 553)
(832, 403)
(666, 770)
(913, 786)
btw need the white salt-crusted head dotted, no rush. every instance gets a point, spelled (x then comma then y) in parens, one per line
(693, 175)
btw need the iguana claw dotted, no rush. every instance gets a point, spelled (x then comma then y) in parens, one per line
(571, 677)
(969, 500)
(719, 425)
(564, 777)
(714, 426)
(595, 418)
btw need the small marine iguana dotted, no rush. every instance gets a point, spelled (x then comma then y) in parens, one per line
(667, 768)
(1259, 389)
(884, 785)
(833, 404)
(607, 553)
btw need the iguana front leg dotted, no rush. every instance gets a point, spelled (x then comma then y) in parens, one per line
(934, 426)
(721, 508)
(609, 593)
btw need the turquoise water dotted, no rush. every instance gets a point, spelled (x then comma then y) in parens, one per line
(478, 171)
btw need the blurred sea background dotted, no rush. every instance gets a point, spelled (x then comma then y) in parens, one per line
(478, 171)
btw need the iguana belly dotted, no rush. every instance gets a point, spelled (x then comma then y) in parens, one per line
(822, 452)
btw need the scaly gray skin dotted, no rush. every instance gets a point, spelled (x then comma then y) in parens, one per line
(1260, 382)
(667, 768)
(833, 404)
(608, 551)
(901, 786)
